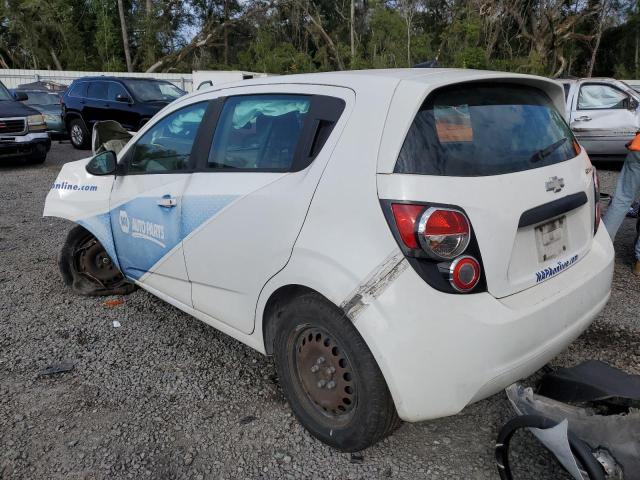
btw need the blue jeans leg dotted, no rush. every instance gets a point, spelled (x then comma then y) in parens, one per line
(626, 191)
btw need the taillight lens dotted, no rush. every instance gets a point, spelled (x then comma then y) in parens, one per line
(406, 216)
(443, 233)
(577, 148)
(439, 244)
(596, 197)
(464, 273)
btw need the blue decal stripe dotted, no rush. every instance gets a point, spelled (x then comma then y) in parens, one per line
(145, 233)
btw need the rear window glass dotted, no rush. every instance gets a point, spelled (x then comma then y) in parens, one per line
(259, 132)
(476, 130)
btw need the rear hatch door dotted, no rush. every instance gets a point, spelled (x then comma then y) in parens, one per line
(506, 157)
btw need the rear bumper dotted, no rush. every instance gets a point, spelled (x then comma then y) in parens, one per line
(29, 145)
(441, 352)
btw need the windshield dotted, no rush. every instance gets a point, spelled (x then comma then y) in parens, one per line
(42, 98)
(479, 129)
(153, 90)
(4, 93)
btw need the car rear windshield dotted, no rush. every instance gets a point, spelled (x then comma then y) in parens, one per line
(478, 129)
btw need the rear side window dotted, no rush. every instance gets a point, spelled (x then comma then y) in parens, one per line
(98, 90)
(259, 132)
(478, 129)
(78, 90)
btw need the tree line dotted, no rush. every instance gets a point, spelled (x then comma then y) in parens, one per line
(556, 38)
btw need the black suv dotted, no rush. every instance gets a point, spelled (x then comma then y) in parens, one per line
(23, 131)
(129, 101)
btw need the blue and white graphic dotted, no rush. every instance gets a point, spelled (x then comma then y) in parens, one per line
(139, 233)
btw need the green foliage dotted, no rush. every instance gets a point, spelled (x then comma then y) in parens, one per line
(294, 36)
(265, 54)
(108, 41)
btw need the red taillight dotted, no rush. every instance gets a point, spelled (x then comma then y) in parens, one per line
(596, 198)
(464, 274)
(406, 217)
(444, 233)
(577, 148)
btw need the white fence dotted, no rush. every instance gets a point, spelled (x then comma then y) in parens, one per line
(13, 77)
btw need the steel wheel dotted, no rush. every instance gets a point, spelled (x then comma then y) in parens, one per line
(324, 373)
(92, 261)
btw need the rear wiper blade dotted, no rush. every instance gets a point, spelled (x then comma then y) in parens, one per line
(545, 152)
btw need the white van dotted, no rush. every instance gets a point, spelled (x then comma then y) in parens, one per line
(403, 242)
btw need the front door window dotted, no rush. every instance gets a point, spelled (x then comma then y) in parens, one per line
(166, 146)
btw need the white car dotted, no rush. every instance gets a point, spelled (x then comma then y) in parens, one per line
(403, 242)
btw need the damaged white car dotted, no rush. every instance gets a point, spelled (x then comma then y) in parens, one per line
(404, 242)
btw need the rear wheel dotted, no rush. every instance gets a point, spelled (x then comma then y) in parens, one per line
(78, 134)
(329, 376)
(87, 268)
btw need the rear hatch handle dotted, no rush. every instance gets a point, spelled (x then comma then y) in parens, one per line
(553, 209)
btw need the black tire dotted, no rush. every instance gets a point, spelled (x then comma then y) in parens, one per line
(308, 326)
(38, 160)
(87, 269)
(78, 134)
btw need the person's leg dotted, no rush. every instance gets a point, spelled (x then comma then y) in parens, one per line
(626, 191)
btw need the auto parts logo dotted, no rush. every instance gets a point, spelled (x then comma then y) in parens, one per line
(124, 221)
(554, 184)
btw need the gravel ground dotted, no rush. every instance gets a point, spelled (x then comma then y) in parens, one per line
(165, 396)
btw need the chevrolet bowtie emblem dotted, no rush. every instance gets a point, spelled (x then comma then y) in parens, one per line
(554, 184)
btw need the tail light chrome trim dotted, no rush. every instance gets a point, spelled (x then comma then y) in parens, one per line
(455, 269)
(423, 236)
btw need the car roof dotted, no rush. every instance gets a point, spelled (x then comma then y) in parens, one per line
(376, 80)
(356, 79)
(105, 77)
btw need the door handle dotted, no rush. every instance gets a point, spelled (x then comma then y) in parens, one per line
(583, 118)
(167, 201)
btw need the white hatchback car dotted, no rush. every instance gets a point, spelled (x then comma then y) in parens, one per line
(404, 242)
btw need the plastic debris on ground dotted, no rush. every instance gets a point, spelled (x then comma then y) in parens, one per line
(113, 303)
(592, 405)
(56, 368)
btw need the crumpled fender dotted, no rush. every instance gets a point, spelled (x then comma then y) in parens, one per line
(83, 198)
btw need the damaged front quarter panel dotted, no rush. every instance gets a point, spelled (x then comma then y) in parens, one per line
(83, 198)
(374, 285)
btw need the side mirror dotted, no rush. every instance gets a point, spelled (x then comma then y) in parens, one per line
(121, 97)
(20, 96)
(104, 163)
(633, 104)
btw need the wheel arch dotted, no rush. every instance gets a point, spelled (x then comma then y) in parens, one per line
(279, 297)
(71, 115)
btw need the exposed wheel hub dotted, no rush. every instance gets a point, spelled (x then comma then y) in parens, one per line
(325, 373)
(92, 260)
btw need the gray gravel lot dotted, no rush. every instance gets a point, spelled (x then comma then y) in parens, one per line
(165, 396)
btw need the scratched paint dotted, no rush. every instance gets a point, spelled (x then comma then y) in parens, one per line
(374, 285)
